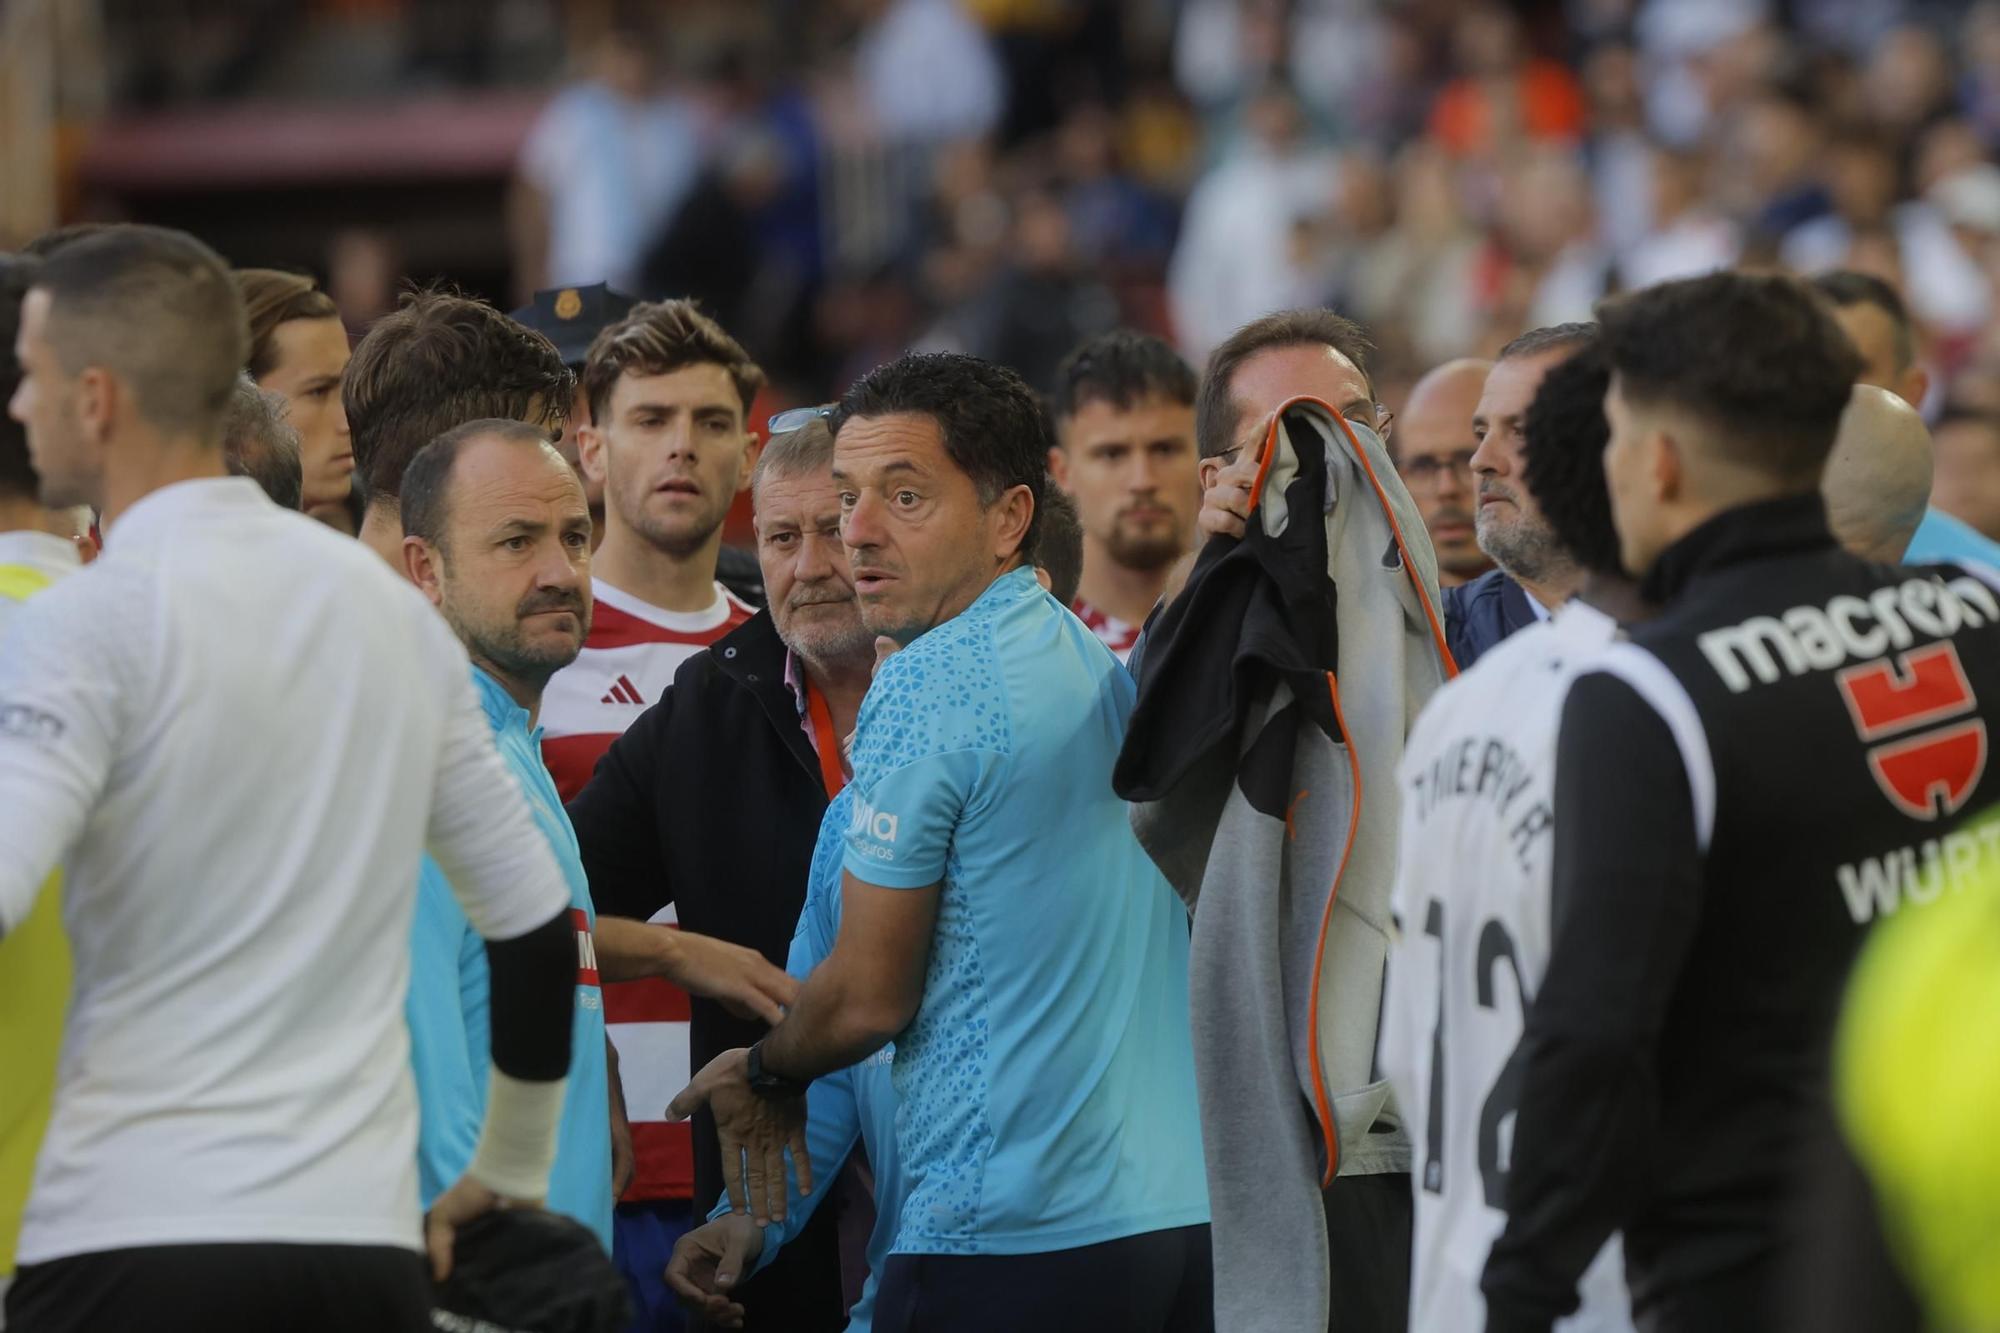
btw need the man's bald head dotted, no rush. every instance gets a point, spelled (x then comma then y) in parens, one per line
(1433, 449)
(1878, 477)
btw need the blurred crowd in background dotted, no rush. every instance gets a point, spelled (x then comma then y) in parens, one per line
(840, 181)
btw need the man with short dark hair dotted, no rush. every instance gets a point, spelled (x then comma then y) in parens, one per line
(999, 920)
(498, 538)
(1433, 449)
(1877, 321)
(258, 443)
(221, 1154)
(1472, 875)
(1124, 410)
(1875, 318)
(436, 361)
(670, 442)
(1787, 750)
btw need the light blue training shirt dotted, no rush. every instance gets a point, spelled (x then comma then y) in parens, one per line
(1046, 1084)
(1942, 539)
(856, 1103)
(450, 1001)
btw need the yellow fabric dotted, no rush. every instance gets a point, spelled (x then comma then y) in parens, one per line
(1918, 1081)
(34, 992)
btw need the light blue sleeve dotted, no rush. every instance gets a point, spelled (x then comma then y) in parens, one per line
(451, 1092)
(833, 1119)
(901, 830)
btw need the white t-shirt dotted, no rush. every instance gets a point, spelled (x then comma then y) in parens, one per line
(238, 731)
(1472, 898)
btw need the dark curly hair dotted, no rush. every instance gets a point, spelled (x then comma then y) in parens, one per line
(993, 424)
(1757, 358)
(1563, 458)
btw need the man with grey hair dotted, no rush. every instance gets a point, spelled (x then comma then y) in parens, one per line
(710, 804)
(1878, 477)
(258, 443)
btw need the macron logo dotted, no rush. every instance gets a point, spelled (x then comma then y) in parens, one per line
(623, 691)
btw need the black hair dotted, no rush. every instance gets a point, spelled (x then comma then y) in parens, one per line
(426, 498)
(1214, 410)
(993, 425)
(17, 473)
(1563, 458)
(1549, 338)
(1757, 358)
(1845, 287)
(1122, 368)
(1060, 549)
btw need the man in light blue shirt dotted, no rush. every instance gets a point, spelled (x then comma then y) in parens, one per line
(851, 1106)
(999, 920)
(497, 535)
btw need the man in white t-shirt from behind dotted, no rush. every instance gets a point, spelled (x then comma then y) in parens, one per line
(1472, 891)
(237, 731)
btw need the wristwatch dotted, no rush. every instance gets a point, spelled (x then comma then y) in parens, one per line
(765, 1083)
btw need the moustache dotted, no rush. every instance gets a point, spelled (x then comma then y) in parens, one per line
(535, 603)
(1493, 490)
(1451, 516)
(835, 599)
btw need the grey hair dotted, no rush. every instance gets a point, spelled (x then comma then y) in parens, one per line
(259, 443)
(795, 453)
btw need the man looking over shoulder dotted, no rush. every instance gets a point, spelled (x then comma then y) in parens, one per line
(999, 920)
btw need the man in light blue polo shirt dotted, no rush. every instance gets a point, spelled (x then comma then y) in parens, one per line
(497, 535)
(999, 921)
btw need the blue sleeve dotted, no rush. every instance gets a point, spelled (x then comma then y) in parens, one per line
(903, 822)
(833, 1121)
(451, 1091)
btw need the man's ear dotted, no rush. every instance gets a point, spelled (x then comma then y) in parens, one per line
(1206, 470)
(751, 450)
(1012, 513)
(590, 445)
(99, 395)
(1665, 464)
(1059, 465)
(1916, 386)
(425, 567)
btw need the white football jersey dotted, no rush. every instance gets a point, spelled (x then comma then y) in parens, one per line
(1472, 899)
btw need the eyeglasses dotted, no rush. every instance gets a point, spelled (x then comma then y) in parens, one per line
(1429, 469)
(1376, 418)
(797, 418)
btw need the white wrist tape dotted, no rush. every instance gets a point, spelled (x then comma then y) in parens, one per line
(517, 1144)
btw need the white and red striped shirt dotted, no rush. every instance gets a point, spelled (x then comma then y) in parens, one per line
(1114, 633)
(627, 662)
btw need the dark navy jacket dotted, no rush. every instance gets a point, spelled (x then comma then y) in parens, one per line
(1477, 615)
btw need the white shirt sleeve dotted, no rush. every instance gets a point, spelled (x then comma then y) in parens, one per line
(481, 831)
(62, 712)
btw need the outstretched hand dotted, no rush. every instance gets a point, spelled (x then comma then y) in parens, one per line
(710, 1262)
(753, 1130)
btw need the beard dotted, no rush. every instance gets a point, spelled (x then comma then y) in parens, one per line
(1525, 548)
(506, 645)
(680, 536)
(1148, 549)
(827, 636)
